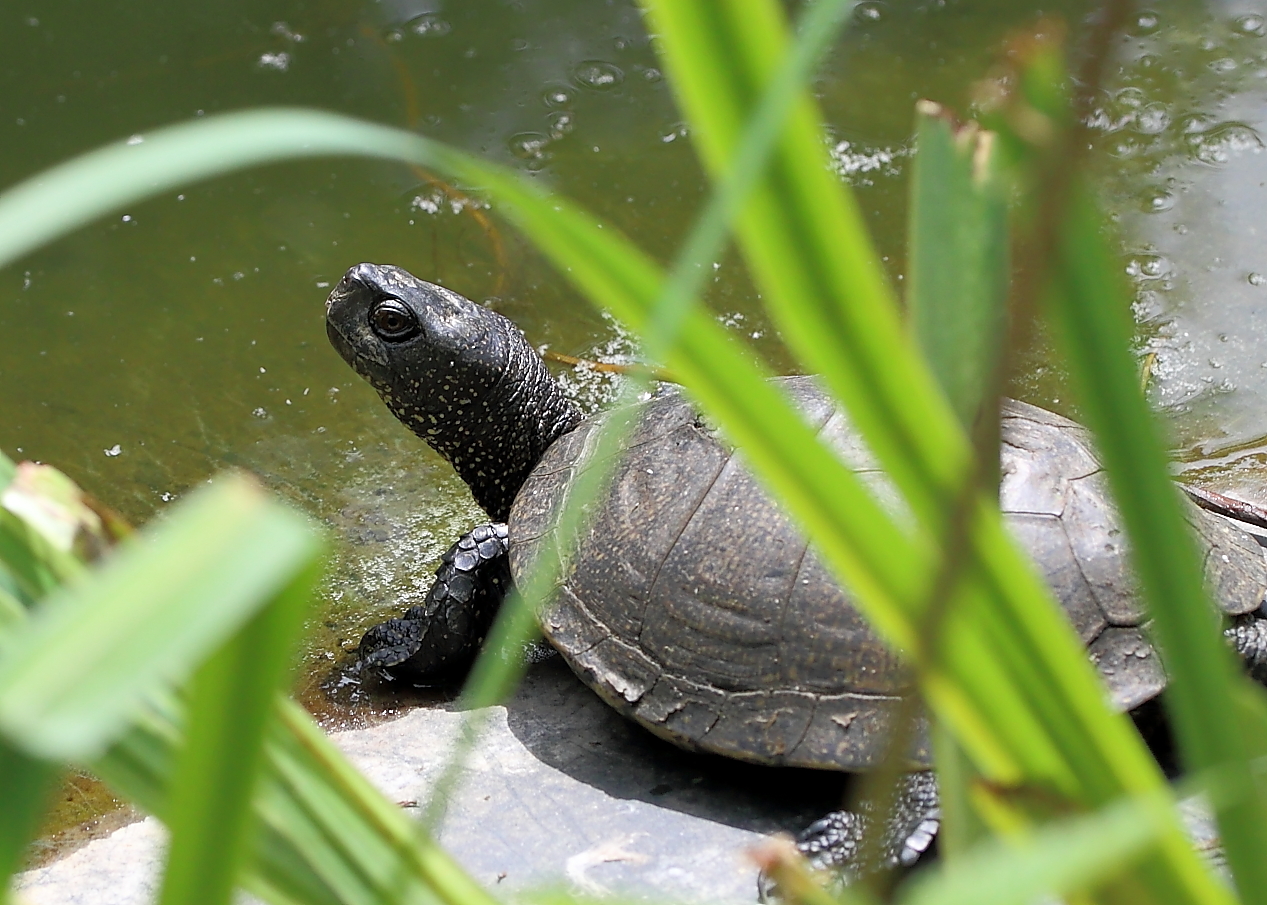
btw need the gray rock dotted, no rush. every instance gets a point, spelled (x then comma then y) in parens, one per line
(558, 791)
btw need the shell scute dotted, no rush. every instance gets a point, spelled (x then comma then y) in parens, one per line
(770, 722)
(1100, 545)
(1234, 566)
(716, 609)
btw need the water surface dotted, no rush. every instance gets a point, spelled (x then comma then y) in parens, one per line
(184, 335)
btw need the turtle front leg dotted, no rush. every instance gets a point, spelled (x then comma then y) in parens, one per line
(440, 637)
(836, 842)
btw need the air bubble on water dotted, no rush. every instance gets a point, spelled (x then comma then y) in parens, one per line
(1152, 119)
(1196, 123)
(869, 12)
(674, 133)
(1148, 267)
(561, 123)
(278, 62)
(282, 30)
(1146, 22)
(259, 412)
(1126, 147)
(1224, 64)
(1219, 144)
(1157, 201)
(598, 75)
(429, 25)
(556, 96)
(1131, 97)
(1251, 25)
(529, 146)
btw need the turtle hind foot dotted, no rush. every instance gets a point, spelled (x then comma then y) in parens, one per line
(837, 843)
(390, 643)
(438, 639)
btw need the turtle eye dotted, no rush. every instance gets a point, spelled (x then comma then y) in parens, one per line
(392, 320)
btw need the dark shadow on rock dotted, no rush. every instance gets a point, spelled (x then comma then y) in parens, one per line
(567, 727)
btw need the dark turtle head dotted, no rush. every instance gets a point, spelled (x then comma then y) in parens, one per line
(458, 375)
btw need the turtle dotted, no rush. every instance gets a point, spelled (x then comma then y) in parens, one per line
(692, 605)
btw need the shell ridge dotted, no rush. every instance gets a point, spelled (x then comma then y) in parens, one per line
(655, 581)
(1091, 588)
(787, 597)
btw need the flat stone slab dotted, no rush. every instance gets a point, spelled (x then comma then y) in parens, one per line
(559, 791)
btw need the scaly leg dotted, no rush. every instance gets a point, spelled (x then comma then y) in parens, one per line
(441, 636)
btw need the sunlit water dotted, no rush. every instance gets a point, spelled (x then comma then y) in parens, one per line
(184, 335)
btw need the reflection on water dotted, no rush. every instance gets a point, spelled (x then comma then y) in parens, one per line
(184, 335)
(1183, 132)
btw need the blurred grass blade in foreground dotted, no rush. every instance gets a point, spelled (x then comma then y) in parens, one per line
(957, 262)
(72, 678)
(320, 833)
(1075, 273)
(1007, 673)
(956, 297)
(231, 702)
(26, 786)
(1062, 859)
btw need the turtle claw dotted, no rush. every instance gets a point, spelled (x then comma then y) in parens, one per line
(440, 637)
(390, 643)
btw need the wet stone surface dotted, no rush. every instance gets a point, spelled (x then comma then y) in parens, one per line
(560, 791)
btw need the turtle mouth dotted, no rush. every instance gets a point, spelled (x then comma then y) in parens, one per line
(348, 331)
(367, 360)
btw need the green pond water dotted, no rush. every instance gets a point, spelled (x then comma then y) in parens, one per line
(184, 335)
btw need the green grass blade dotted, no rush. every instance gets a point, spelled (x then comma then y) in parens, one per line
(26, 784)
(324, 835)
(1058, 860)
(140, 764)
(976, 689)
(72, 677)
(957, 259)
(1088, 303)
(230, 703)
(956, 292)
(13, 602)
(806, 242)
(59, 200)
(36, 550)
(1090, 307)
(1095, 755)
(706, 240)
